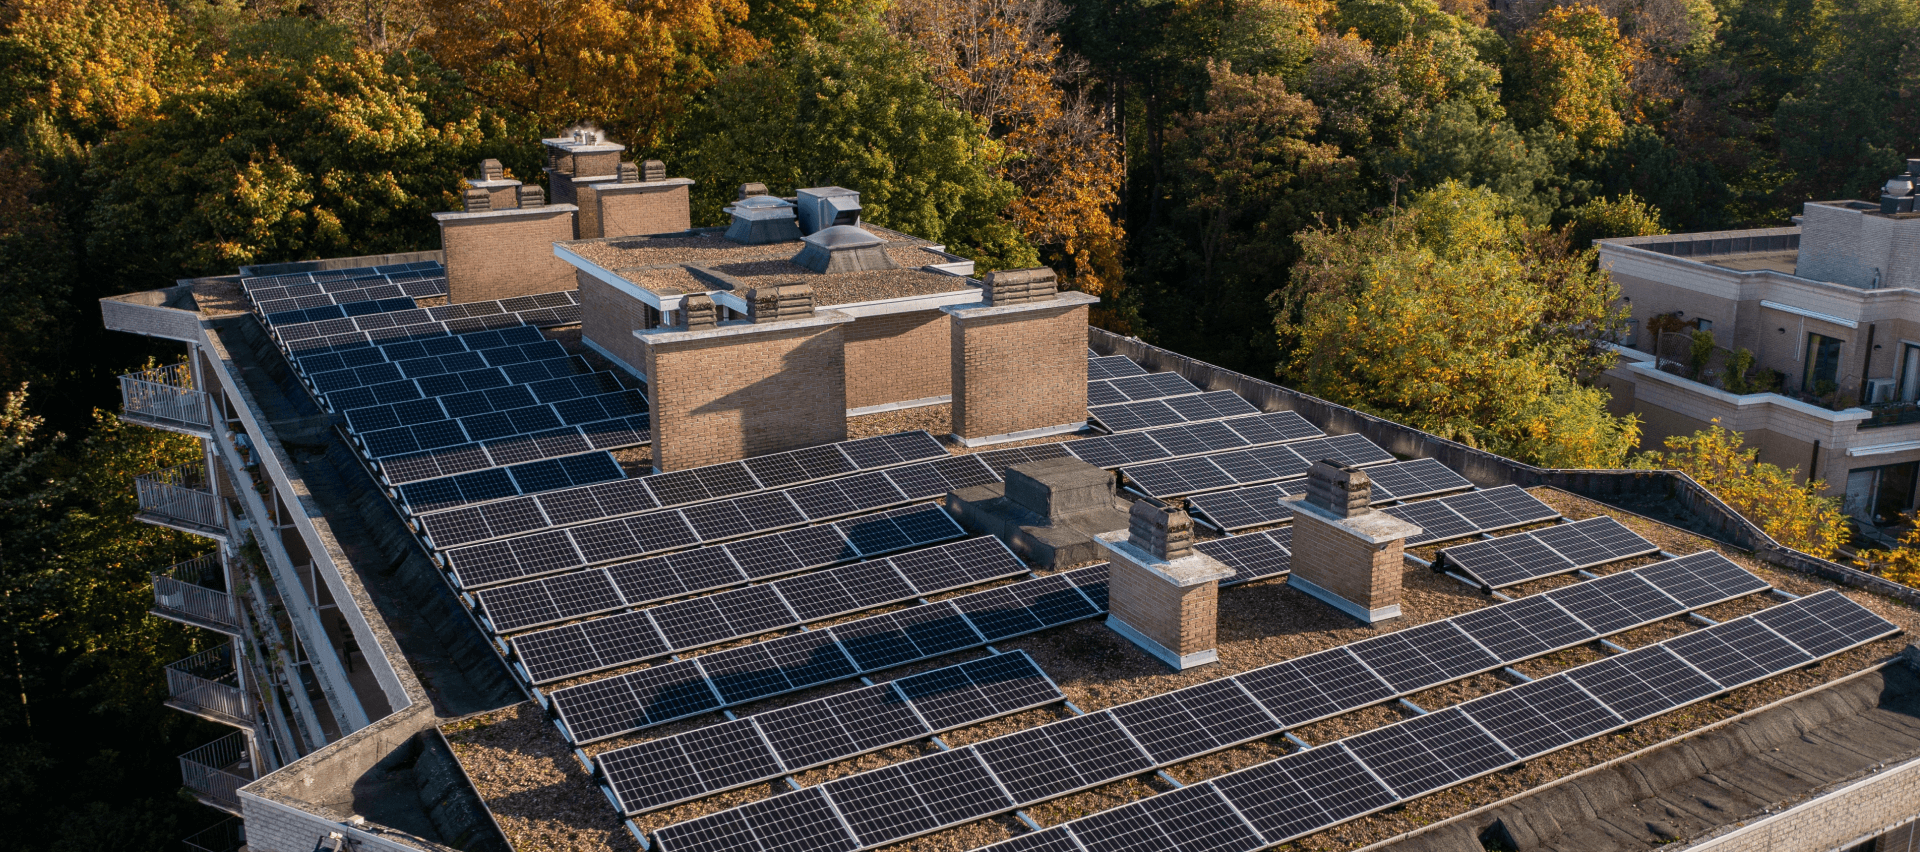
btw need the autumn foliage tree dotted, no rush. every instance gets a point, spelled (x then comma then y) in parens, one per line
(629, 67)
(1572, 71)
(1455, 316)
(1794, 514)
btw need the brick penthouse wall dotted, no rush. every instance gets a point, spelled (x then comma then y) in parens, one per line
(1182, 620)
(1343, 564)
(609, 317)
(717, 399)
(898, 357)
(629, 209)
(1018, 371)
(502, 256)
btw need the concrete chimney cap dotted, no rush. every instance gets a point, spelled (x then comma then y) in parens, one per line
(843, 237)
(1344, 475)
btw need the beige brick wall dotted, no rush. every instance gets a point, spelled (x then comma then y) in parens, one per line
(723, 398)
(499, 257)
(609, 318)
(898, 357)
(586, 223)
(1018, 371)
(1182, 620)
(626, 212)
(1344, 564)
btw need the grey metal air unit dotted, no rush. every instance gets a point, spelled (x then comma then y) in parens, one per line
(824, 207)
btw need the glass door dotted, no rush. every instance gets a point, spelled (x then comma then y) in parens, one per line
(1823, 364)
(1909, 373)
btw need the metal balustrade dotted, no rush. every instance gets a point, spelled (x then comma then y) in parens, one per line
(195, 592)
(215, 772)
(228, 835)
(165, 398)
(182, 498)
(208, 684)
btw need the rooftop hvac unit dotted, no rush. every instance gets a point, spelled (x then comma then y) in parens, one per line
(1879, 390)
(824, 207)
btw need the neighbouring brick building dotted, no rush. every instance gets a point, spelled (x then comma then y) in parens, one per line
(594, 530)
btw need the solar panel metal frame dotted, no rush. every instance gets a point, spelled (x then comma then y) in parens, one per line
(1451, 556)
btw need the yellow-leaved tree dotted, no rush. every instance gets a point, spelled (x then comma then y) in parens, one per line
(1572, 71)
(1796, 515)
(1453, 315)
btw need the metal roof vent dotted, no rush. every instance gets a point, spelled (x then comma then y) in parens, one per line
(844, 248)
(762, 219)
(827, 206)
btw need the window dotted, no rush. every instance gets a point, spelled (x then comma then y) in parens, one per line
(1822, 364)
(1703, 324)
(1909, 373)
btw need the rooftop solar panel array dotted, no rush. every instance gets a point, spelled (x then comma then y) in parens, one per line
(1246, 467)
(778, 742)
(1310, 790)
(625, 703)
(679, 488)
(1558, 549)
(519, 606)
(334, 294)
(1059, 758)
(555, 550)
(1253, 556)
(413, 323)
(1240, 508)
(1112, 367)
(1475, 512)
(1137, 388)
(1131, 416)
(602, 643)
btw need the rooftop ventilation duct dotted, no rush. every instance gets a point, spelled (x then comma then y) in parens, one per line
(824, 207)
(762, 219)
(844, 248)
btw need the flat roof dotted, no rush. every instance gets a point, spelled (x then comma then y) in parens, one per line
(662, 264)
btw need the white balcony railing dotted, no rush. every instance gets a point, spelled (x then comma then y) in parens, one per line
(195, 592)
(215, 772)
(208, 684)
(165, 398)
(182, 498)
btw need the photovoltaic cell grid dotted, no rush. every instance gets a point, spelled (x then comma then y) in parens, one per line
(681, 487)
(617, 705)
(1137, 388)
(1112, 367)
(357, 331)
(1078, 753)
(1131, 416)
(1558, 549)
(299, 297)
(1263, 464)
(1475, 512)
(757, 748)
(555, 550)
(1112, 451)
(1253, 556)
(602, 643)
(1311, 790)
(1240, 508)
(534, 603)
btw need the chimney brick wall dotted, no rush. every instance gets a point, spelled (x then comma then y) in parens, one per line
(596, 163)
(1346, 565)
(746, 393)
(627, 210)
(502, 255)
(898, 357)
(1012, 372)
(609, 318)
(1181, 619)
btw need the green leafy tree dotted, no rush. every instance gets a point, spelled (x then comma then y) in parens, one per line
(859, 113)
(282, 160)
(1601, 218)
(1847, 126)
(1795, 514)
(1455, 316)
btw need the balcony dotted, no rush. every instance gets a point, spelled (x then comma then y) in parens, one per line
(228, 835)
(215, 772)
(165, 398)
(208, 685)
(195, 592)
(182, 498)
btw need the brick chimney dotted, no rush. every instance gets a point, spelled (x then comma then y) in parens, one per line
(500, 244)
(1019, 365)
(1345, 552)
(616, 199)
(1162, 594)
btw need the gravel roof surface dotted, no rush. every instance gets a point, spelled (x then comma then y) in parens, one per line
(220, 297)
(545, 801)
(618, 252)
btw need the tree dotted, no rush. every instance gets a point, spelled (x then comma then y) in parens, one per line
(1000, 61)
(1845, 129)
(1795, 515)
(85, 68)
(280, 161)
(1244, 178)
(629, 67)
(1572, 71)
(1603, 218)
(1455, 316)
(860, 113)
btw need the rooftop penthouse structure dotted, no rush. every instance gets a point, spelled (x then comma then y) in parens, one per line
(594, 530)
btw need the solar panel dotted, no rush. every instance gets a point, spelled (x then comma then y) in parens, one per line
(1253, 556)
(1516, 559)
(1445, 518)
(1248, 466)
(1111, 367)
(1131, 416)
